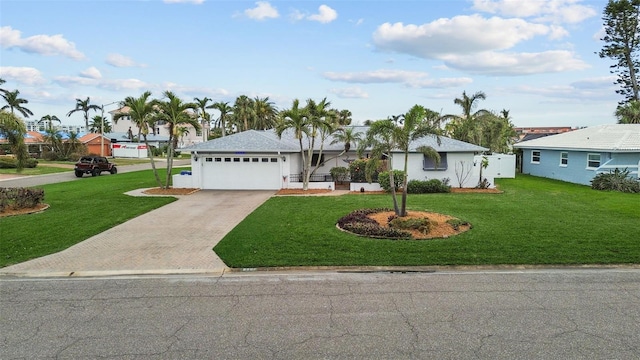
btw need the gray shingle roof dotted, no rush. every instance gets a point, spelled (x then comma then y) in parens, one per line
(610, 138)
(446, 145)
(267, 141)
(246, 141)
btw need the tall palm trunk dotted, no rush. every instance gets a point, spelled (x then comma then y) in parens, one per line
(153, 162)
(403, 210)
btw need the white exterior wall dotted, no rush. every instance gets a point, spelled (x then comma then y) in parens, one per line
(162, 130)
(500, 165)
(416, 172)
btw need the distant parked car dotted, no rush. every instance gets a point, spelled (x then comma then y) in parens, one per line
(94, 165)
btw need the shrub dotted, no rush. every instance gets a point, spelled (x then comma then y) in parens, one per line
(339, 173)
(357, 171)
(424, 225)
(9, 162)
(617, 180)
(359, 223)
(383, 179)
(20, 198)
(428, 186)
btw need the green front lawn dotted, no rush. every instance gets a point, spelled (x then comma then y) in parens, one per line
(78, 210)
(535, 221)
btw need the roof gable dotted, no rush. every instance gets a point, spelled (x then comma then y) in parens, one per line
(611, 138)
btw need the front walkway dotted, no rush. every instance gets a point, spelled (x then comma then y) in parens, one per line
(176, 238)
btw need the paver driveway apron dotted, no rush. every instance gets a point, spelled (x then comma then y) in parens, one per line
(176, 238)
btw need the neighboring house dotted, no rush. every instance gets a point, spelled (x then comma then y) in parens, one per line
(577, 156)
(161, 130)
(259, 160)
(94, 142)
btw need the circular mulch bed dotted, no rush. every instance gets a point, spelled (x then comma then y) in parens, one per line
(13, 212)
(441, 230)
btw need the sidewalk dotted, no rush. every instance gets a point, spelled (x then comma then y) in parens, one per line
(175, 239)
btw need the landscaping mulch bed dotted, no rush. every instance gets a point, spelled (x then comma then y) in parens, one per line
(441, 230)
(24, 211)
(302, 192)
(170, 191)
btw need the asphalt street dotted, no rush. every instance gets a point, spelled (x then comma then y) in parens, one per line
(541, 314)
(29, 181)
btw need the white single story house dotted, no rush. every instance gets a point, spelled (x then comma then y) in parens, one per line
(577, 156)
(259, 160)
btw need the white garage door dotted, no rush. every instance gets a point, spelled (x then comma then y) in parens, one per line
(233, 172)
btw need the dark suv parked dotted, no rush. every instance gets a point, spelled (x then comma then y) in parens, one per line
(94, 165)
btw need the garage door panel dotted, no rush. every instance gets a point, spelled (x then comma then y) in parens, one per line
(241, 173)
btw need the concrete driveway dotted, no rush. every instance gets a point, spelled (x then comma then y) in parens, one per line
(176, 238)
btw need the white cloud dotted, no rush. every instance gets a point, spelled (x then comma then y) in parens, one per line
(119, 60)
(376, 76)
(263, 10)
(477, 45)
(350, 93)
(48, 45)
(603, 82)
(412, 79)
(296, 15)
(441, 83)
(91, 73)
(22, 75)
(556, 11)
(325, 15)
(496, 63)
(197, 2)
(458, 35)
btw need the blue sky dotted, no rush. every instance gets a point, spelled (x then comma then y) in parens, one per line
(536, 58)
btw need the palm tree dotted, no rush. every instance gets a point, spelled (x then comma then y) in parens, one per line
(323, 122)
(141, 113)
(175, 113)
(2, 81)
(385, 136)
(13, 129)
(225, 111)
(85, 106)
(629, 113)
(49, 119)
(347, 136)
(297, 120)
(203, 114)
(344, 117)
(15, 103)
(467, 127)
(264, 114)
(243, 112)
(99, 124)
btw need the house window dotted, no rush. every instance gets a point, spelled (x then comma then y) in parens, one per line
(227, 159)
(255, 159)
(265, 159)
(218, 159)
(430, 164)
(208, 159)
(564, 159)
(245, 159)
(593, 161)
(236, 159)
(535, 157)
(274, 159)
(314, 159)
